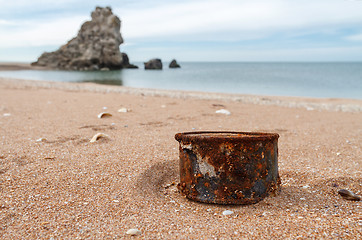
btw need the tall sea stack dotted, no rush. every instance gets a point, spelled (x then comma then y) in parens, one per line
(95, 47)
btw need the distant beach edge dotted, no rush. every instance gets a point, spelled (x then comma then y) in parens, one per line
(13, 66)
(320, 104)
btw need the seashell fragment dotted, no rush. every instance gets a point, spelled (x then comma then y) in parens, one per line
(104, 114)
(133, 232)
(97, 136)
(227, 212)
(223, 111)
(6, 114)
(348, 195)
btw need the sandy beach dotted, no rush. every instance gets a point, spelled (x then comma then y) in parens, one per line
(56, 184)
(12, 66)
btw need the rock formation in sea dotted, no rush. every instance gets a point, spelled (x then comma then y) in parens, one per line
(125, 62)
(174, 64)
(155, 63)
(95, 47)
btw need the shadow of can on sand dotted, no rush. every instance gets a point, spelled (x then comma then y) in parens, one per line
(151, 182)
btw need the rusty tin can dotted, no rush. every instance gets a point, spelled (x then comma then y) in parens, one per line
(228, 167)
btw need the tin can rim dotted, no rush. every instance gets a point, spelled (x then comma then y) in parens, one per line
(229, 135)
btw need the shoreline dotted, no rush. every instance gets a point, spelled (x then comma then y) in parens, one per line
(55, 183)
(320, 104)
(16, 66)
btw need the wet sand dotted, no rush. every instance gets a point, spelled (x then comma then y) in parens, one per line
(14, 66)
(54, 183)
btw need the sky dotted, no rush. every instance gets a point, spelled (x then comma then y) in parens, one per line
(193, 30)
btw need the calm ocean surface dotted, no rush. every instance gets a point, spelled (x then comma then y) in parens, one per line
(331, 80)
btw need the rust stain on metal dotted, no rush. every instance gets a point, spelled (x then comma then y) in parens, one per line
(228, 167)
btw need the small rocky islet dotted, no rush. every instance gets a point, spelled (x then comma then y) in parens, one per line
(174, 64)
(96, 47)
(155, 64)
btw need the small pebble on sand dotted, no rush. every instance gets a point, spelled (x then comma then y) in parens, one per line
(6, 114)
(123, 110)
(133, 232)
(223, 111)
(227, 212)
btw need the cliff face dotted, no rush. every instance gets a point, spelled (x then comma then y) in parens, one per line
(95, 47)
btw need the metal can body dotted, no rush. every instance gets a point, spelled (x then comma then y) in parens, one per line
(228, 167)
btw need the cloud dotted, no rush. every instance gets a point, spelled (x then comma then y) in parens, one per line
(357, 37)
(232, 17)
(32, 33)
(6, 23)
(265, 24)
(211, 20)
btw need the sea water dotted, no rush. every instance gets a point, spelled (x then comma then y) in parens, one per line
(323, 80)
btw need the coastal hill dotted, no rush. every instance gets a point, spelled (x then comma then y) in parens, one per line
(96, 46)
